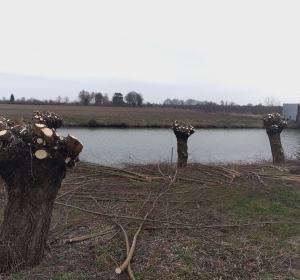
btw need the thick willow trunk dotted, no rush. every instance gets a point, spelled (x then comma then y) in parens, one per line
(33, 162)
(276, 148)
(27, 216)
(274, 124)
(182, 150)
(182, 132)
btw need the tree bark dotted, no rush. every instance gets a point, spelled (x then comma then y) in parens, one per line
(182, 150)
(276, 148)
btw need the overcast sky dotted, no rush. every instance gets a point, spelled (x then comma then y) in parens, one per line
(231, 50)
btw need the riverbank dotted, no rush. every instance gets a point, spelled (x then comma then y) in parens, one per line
(203, 222)
(92, 116)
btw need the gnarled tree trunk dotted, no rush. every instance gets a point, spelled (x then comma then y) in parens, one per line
(274, 124)
(32, 183)
(182, 132)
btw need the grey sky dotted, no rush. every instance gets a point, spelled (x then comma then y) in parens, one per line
(231, 50)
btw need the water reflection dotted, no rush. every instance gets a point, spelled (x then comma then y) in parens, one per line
(111, 146)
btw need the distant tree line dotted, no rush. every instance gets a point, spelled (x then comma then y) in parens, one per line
(86, 98)
(271, 105)
(134, 99)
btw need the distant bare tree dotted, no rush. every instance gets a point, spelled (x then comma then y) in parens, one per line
(59, 99)
(191, 102)
(105, 98)
(272, 101)
(134, 99)
(98, 98)
(168, 101)
(85, 97)
(175, 102)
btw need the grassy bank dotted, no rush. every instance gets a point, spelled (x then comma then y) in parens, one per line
(133, 117)
(204, 222)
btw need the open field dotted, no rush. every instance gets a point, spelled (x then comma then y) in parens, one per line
(133, 117)
(204, 222)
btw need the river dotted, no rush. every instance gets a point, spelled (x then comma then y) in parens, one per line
(114, 146)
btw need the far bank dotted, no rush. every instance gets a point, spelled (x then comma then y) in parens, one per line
(93, 116)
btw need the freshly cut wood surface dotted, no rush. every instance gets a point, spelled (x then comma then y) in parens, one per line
(73, 144)
(4, 134)
(41, 154)
(38, 128)
(48, 134)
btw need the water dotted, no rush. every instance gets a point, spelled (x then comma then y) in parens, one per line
(113, 146)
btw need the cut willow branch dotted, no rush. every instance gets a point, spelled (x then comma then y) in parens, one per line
(120, 269)
(86, 237)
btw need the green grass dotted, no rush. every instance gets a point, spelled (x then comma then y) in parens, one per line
(276, 202)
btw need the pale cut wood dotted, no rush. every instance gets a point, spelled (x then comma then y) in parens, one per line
(38, 128)
(73, 144)
(4, 134)
(78, 149)
(41, 154)
(39, 141)
(47, 134)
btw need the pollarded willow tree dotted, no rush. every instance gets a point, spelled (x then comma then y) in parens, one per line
(182, 132)
(33, 162)
(274, 124)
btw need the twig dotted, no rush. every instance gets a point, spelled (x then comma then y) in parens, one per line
(86, 237)
(130, 254)
(130, 274)
(164, 176)
(260, 180)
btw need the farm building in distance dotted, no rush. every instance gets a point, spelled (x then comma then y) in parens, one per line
(290, 111)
